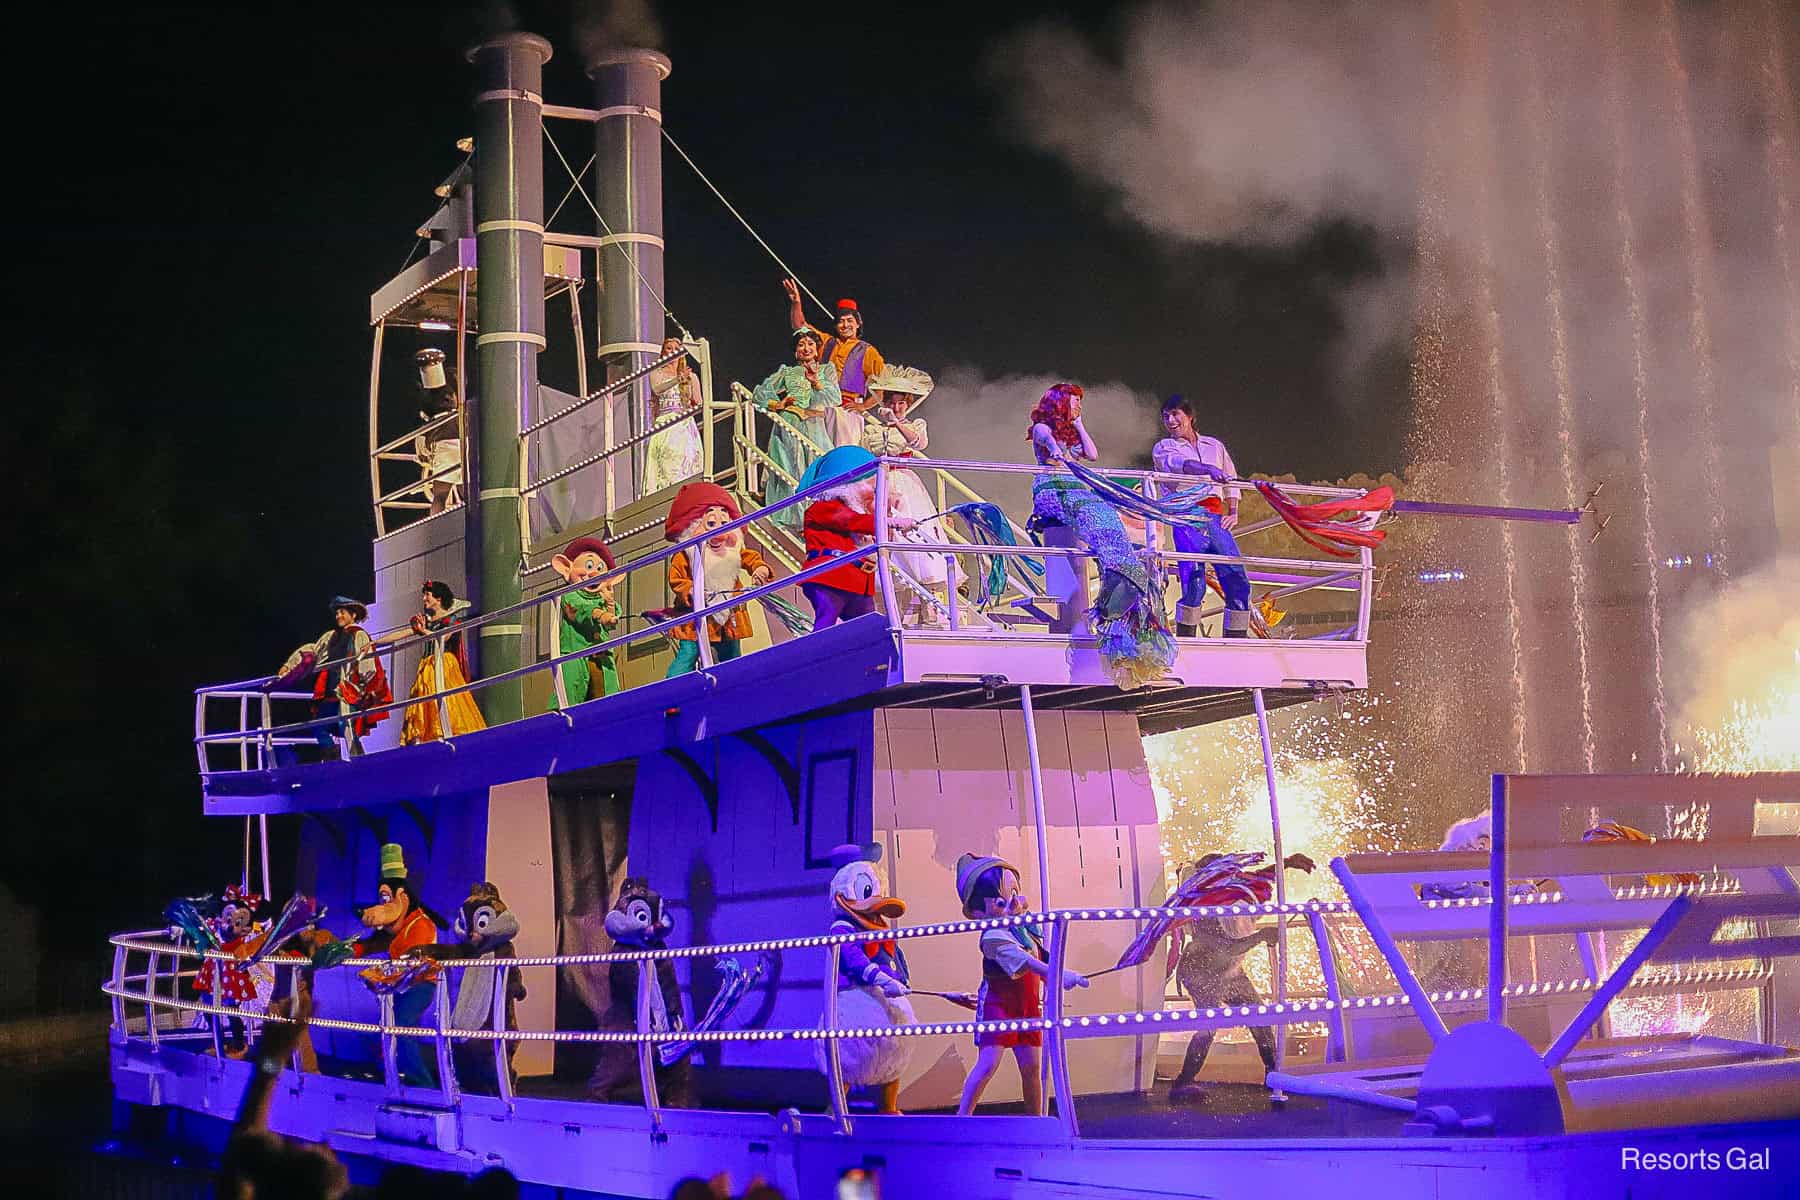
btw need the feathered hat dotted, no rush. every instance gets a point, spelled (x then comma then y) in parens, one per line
(910, 380)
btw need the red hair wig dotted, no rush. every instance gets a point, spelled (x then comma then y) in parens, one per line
(1055, 409)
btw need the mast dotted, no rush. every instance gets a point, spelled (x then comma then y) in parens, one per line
(628, 196)
(509, 257)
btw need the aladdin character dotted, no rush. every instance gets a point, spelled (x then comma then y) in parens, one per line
(796, 397)
(402, 926)
(839, 522)
(439, 448)
(1127, 618)
(872, 977)
(1185, 452)
(639, 920)
(352, 679)
(675, 448)
(894, 430)
(589, 615)
(727, 564)
(1209, 966)
(234, 984)
(485, 929)
(855, 361)
(1014, 966)
(442, 611)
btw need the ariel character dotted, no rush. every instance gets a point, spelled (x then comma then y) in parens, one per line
(1127, 617)
(588, 616)
(872, 980)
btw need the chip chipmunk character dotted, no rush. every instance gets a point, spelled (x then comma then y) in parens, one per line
(639, 920)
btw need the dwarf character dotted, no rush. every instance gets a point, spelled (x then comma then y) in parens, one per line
(639, 920)
(872, 983)
(589, 615)
(1014, 966)
(838, 523)
(486, 928)
(726, 563)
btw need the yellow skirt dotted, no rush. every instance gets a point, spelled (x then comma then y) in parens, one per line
(422, 719)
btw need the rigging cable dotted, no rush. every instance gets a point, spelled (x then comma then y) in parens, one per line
(729, 207)
(630, 260)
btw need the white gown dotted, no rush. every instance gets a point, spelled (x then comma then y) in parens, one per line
(673, 455)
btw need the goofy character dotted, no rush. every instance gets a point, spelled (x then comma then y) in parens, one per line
(588, 616)
(872, 983)
(725, 562)
(485, 929)
(639, 920)
(402, 925)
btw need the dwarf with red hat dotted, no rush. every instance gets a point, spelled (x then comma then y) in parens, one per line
(726, 564)
(589, 614)
(856, 361)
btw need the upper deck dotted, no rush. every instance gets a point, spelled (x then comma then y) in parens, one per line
(916, 650)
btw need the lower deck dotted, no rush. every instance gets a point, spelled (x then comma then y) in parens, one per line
(1234, 1144)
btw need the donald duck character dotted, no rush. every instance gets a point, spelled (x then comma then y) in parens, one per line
(872, 981)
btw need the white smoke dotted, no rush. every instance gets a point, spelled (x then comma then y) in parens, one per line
(1234, 122)
(973, 417)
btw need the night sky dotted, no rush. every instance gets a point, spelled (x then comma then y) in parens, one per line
(207, 198)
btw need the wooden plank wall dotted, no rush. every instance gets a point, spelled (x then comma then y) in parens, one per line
(949, 781)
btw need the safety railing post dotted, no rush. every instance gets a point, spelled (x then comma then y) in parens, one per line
(267, 740)
(1334, 1023)
(243, 729)
(1056, 1054)
(118, 985)
(502, 1059)
(150, 974)
(883, 570)
(834, 1063)
(698, 599)
(557, 683)
(646, 1050)
(1366, 593)
(200, 733)
(446, 1062)
(1281, 937)
(390, 1066)
(438, 686)
(950, 591)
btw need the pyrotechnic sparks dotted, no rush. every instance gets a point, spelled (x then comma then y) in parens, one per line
(1759, 734)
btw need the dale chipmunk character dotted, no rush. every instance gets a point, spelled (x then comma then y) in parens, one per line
(485, 929)
(873, 981)
(726, 564)
(639, 920)
(588, 617)
(1014, 966)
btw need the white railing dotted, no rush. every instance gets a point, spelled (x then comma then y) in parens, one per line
(1286, 576)
(157, 989)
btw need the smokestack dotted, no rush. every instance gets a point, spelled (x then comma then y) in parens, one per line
(628, 194)
(509, 259)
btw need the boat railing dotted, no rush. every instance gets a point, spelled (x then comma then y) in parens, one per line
(149, 969)
(254, 698)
